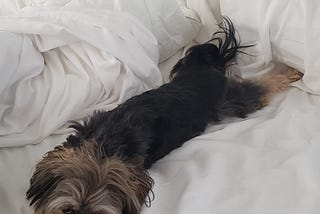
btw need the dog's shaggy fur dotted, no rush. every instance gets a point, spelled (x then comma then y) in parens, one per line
(103, 167)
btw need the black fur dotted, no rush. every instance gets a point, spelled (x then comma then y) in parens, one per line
(158, 121)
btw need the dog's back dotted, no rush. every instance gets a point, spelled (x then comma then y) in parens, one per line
(156, 122)
(194, 96)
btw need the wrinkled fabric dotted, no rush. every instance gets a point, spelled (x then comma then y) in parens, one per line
(285, 31)
(68, 58)
(164, 19)
(64, 63)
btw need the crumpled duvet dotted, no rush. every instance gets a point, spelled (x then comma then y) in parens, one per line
(62, 60)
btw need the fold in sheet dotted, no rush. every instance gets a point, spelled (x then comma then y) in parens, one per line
(64, 64)
(286, 31)
(71, 57)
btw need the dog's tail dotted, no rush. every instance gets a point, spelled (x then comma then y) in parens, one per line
(218, 51)
(228, 44)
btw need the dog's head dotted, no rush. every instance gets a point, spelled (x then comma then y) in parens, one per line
(81, 180)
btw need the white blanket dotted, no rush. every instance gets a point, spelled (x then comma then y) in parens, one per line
(62, 60)
(285, 31)
(84, 65)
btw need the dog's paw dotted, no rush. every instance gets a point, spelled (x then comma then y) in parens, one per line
(291, 75)
(277, 82)
(280, 81)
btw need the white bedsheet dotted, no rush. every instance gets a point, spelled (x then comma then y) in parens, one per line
(84, 65)
(285, 31)
(266, 163)
(64, 59)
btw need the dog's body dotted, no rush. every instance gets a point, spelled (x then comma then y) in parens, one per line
(102, 169)
(154, 123)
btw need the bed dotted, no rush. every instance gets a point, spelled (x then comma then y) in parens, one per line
(61, 60)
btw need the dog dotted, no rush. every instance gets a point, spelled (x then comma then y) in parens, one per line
(102, 168)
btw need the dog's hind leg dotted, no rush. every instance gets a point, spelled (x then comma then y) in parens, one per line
(246, 96)
(242, 98)
(277, 82)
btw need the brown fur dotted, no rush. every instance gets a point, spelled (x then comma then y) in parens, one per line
(84, 180)
(277, 82)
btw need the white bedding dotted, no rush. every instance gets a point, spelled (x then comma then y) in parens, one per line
(266, 163)
(69, 59)
(285, 31)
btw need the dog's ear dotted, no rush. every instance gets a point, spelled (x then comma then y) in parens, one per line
(140, 185)
(176, 68)
(44, 179)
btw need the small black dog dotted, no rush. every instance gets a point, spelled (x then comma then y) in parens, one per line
(103, 167)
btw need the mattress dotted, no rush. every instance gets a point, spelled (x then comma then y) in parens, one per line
(265, 163)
